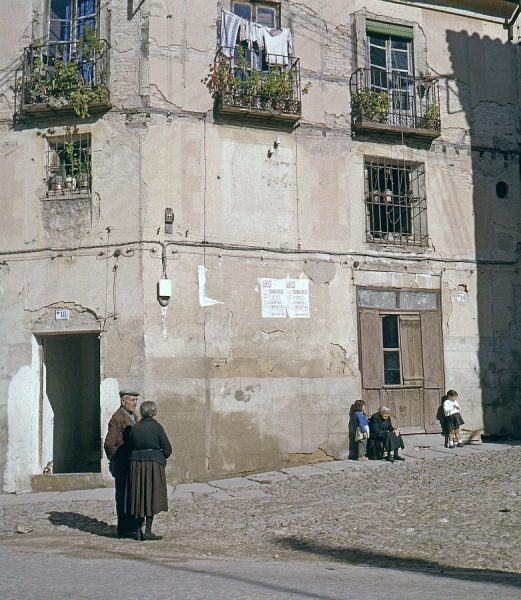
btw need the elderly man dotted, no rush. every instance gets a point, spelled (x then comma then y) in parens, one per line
(117, 449)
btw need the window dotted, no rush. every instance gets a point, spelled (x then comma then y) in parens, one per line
(391, 63)
(263, 13)
(68, 165)
(69, 18)
(70, 22)
(391, 350)
(396, 209)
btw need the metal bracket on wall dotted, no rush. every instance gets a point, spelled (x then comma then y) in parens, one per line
(509, 23)
(131, 11)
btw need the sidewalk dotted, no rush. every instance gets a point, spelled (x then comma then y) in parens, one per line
(255, 484)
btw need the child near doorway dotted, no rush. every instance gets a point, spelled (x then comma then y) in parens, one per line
(453, 419)
(362, 429)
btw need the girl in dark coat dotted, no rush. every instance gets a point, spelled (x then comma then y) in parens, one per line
(146, 489)
(381, 429)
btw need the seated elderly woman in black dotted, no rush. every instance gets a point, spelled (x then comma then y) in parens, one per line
(381, 429)
(146, 486)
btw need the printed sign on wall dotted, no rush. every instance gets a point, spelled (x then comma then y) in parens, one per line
(285, 298)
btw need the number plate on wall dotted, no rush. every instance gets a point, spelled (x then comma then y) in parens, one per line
(61, 314)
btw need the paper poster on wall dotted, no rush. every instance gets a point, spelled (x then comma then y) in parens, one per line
(273, 298)
(285, 298)
(297, 298)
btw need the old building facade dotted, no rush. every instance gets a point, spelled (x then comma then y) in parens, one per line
(255, 217)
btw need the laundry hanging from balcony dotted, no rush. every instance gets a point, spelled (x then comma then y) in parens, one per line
(278, 43)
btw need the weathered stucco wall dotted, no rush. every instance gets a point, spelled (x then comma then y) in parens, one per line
(235, 391)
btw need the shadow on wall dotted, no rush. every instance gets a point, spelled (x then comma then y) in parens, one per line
(485, 88)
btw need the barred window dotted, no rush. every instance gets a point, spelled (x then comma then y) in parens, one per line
(68, 165)
(396, 205)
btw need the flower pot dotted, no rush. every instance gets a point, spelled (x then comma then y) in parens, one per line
(84, 182)
(56, 183)
(70, 183)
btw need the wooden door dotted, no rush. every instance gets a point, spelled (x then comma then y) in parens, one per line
(432, 352)
(414, 395)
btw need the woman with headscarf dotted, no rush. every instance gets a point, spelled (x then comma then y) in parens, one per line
(146, 488)
(381, 430)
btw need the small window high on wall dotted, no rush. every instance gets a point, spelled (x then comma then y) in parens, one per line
(267, 14)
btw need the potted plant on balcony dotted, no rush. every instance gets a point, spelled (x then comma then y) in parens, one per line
(431, 117)
(371, 105)
(275, 90)
(65, 76)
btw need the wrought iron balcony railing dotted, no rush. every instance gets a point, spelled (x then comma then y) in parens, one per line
(64, 75)
(382, 100)
(249, 83)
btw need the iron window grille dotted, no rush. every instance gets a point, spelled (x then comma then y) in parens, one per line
(68, 165)
(396, 203)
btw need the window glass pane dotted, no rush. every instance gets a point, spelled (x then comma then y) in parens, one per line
(60, 9)
(266, 16)
(392, 368)
(399, 44)
(377, 299)
(377, 57)
(377, 40)
(86, 8)
(60, 15)
(242, 10)
(390, 331)
(400, 60)
(418, 300)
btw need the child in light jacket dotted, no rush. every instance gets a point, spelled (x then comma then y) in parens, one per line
(453, 418)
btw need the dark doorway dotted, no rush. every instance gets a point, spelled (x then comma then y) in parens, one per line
(72, 384)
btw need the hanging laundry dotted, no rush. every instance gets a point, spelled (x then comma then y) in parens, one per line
(230, 25)
(279, 46)
(252, 33)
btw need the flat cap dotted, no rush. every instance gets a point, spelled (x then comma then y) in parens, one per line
(128, 393)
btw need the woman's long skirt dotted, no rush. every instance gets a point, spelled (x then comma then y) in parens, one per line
(146, 489)
(392, 442)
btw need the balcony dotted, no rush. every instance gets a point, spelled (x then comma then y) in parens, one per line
(65, 77)
(395, 103)
(246, 85)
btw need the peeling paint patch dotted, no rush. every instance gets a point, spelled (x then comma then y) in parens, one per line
(320, 271)
(22, 422)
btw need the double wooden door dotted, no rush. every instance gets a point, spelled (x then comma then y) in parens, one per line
(402, 365)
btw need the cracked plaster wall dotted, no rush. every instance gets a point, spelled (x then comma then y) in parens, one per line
(235, 391)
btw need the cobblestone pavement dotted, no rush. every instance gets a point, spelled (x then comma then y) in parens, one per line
(458, 515)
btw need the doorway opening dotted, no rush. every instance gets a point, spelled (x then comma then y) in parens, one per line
(401, 350)
(70, 433)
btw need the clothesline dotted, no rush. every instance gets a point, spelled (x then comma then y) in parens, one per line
(277, 43)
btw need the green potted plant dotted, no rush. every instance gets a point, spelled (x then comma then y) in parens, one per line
(371, 105)
(431, 117)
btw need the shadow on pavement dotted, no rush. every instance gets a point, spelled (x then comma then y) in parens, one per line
(83, 523)
(355, 556)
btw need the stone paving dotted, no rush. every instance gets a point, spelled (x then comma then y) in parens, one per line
(439, 510)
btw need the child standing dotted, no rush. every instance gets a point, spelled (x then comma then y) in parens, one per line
(452, 411)
(362, 429)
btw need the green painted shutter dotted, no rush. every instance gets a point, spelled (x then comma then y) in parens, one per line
(389, 29)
